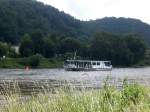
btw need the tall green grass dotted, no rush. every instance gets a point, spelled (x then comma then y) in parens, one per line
(131, 98)
(23, 62)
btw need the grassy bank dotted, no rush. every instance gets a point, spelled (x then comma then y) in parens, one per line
(20, 63)
(132, 98)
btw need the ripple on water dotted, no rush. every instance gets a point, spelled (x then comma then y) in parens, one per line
(58, 77)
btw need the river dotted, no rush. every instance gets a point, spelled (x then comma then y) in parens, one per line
(31, 79)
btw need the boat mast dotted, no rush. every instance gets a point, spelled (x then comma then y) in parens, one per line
(75, 54)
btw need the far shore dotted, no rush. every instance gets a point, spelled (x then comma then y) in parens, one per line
(48, 63)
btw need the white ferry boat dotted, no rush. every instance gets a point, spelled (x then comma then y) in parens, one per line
(87, 65)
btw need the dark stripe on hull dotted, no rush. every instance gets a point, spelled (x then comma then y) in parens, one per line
(83, 69)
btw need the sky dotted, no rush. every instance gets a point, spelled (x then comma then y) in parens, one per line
(96, 9)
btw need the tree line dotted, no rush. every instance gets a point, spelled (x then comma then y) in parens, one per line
(122, 50)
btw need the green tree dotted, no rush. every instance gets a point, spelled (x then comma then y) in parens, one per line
(70, 45)
(32, 61)
(38, 42)
(3, 49)
(35, 60)
(84, 51)
(121, 54)
(49, 48)
(26, 46)
(102, 46)
(137, 46)
(120, 50)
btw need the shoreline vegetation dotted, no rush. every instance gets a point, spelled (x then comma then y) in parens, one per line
(22, 63)
(38, 51)
(130, 98)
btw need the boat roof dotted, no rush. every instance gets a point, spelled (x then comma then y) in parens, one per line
(87, 61)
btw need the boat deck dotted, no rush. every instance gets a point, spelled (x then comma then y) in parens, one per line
(87, 65)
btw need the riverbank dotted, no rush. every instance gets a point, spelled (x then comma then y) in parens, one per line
(21, 63)
(131, 98)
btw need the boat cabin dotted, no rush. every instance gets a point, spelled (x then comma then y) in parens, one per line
(87, 65)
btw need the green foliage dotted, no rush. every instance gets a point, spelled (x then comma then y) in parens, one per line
(49, 47)
(70, 45)
(32, 61)
(18, 17)
(102, 46)
(21, 63)
(7, 50)
(51, 63)
(118, 26)
(52, 33)
(120, 50)
(13, 53)
(133, 93)
(10, 63)
(70, 55)
(37, 42)
(137, 46)
(131, 98)
(26, 46)
(3, 49)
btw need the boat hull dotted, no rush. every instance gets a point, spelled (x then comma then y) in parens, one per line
(91, 69)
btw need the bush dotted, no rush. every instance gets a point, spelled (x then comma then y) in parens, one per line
(3, 49)
(35, 60)
(32, 61)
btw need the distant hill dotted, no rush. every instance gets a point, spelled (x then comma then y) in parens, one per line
(18, 17)
(119, 26)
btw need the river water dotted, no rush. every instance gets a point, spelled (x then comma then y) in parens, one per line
(29, 80)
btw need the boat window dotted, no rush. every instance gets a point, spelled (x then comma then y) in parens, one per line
(66, 62)
(107, 63)
(72, 62)
(98, 63)
(94, 63)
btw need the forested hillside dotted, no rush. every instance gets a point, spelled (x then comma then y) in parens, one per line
(19, 17)
(118, 25)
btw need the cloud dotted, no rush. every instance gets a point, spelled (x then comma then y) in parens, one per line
(93, 9)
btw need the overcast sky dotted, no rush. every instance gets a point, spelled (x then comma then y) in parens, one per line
(94, 9)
